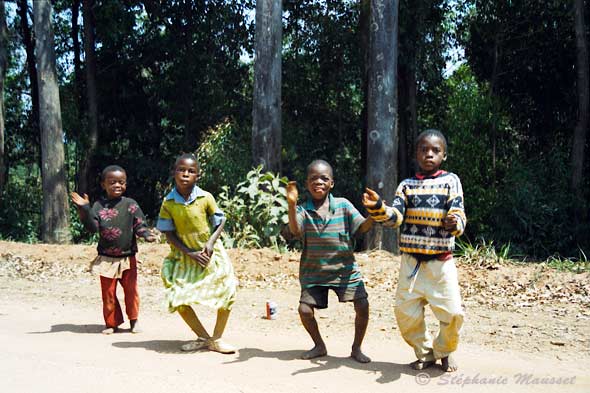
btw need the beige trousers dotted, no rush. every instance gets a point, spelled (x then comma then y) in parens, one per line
(435, 283)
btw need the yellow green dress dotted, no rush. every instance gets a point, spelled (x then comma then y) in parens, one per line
(185, 281)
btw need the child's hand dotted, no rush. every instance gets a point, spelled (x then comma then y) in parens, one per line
(370, 198)
(78, 200)
(450, 223)
(200, 257)
(292, 193)
(152, 237)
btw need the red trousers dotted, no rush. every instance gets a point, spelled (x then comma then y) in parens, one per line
(111, 309)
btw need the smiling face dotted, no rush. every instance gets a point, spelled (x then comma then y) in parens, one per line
(186, 174)
(430, 154)
(114, 184)
(319, 181)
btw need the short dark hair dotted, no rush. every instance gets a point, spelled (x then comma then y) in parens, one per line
(315, 163)
(185, 156)
(109, 169)
(431, 132)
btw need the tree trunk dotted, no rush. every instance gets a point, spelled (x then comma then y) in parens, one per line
(55, 227)
(85, 180)
(582, 68)
(364, 23)
(266, 112)
(3, 63)
(76, 50)
(382, 141)
(29, 43)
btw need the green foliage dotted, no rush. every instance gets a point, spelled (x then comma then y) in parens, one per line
(581, 264)
(20, 206)
(483, 253)
(224, 156)
(256, 212)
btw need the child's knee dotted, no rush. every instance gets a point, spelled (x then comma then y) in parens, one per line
(305, 311)
(361, 306)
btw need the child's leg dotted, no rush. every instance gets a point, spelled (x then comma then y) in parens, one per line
(111, 309)
(409, 313)
(188, 314)
(306, 313)
(361, 321)
(129, 284)
(221, 323)
(216, 344)
(445, 301)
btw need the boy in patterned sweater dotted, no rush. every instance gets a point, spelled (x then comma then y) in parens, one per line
(429, 208)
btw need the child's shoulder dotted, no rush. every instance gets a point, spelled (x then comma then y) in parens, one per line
(341, 202)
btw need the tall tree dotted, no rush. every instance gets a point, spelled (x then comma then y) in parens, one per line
(3, 63)
(579, 140)
(85, 178)
(382, 141)
(55, 228)
(29, 42)
(76, 50)
(266, 113)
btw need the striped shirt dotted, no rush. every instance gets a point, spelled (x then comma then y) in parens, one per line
(327, 258)
(419, 207)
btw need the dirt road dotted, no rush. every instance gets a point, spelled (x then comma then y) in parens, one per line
(50, 340)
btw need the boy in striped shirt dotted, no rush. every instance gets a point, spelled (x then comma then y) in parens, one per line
(429, 208)
(327, 225)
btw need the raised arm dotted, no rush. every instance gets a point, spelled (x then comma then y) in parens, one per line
(87, 217)
(292, 196)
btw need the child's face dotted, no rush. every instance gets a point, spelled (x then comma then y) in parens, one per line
(114, 184)
(430, 153)
(186, 174)
(319, 182)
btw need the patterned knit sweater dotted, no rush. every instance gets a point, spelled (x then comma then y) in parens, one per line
(419, 207)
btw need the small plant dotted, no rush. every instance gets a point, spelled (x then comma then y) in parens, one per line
(574, 265)
(483, 253)
(256, 212)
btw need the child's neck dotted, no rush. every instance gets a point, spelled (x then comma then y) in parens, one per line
(185, 193)
(320, 203)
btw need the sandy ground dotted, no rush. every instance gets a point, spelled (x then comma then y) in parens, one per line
(527, 329)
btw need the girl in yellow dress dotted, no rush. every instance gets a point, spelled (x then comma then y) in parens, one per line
(197, 270)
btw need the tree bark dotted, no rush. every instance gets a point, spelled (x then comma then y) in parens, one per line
(29, 43)
(3, 64)
(266, 112)
(582, 69)
(55, 228)
(382, 141)
(76, 50)
(85, 179)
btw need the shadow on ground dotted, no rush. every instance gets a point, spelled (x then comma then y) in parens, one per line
(386, 371)
(69, 327)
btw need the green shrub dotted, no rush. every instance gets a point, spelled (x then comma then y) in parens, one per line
(256, 212)
(224, 156)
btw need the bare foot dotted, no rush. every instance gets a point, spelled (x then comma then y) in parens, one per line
(315, 352)
(422, 364)
(449, 364)
(110, 330)
(359, 356)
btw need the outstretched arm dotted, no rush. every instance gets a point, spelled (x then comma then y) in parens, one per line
(389, 216)
(366, 225)
(292, 196)
(83, 206)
